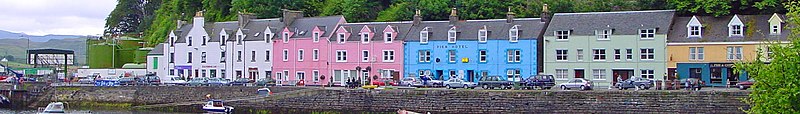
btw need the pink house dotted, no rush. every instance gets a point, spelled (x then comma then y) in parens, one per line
(301, 50)
(367, 51)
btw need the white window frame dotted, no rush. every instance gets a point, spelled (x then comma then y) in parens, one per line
(629, 54)
(189, 40)
(599, 74)
(696, 53)
(388, 37)
(513, 74)
(340, 38)
(452, 35)
(514, 55)
(647, 33)
(388, 55)
(737, 30)
(222, 57)
(364, 55)
(222, 39)
(424, 55)
(562, 55)
(451, 56)
(483, 55)
(300, 53)
(267, 56)
(341, 55)
(483, 35)
(239, 56)
(647, 73)
(693, 29)
(239, 39)
(253, 56)
(579, 54)
(598, 54)
(202, 57)
(298, 75)
(423, 36)
(315, 36)
(387, 73)
(205, 40)
(562, 73)
(315, 75)
(364, 37)
(648, 53)
(315, 54)
(603, 34)
(285, 37)
(285, 54)
(561, 35)
(268, 37)
(734, 53)
(775, 29)
(513, 34)
(617, 54)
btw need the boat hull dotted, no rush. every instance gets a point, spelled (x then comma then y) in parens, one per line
(218, 109)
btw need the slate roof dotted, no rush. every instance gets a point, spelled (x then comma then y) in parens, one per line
(377, 28)
(158, 50)
(258, 26)
(715, 29)
(229, 26)
(497, 29)
(621, 23)
(307, 24)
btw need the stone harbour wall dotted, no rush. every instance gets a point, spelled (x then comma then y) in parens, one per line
(145, 95)
(498, 101)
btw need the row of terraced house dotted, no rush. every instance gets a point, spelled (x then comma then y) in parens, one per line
(598, 46)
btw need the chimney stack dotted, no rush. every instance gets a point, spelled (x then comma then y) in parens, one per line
(417, 18)
(289, 16)
(510, 16)
(453, 16)
(244, 18)
(199, 20)
(545, 14)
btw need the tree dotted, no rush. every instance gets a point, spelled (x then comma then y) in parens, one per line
(352, 10)
(265, 8)
(218, 10)
(125, 17)
(777, 90)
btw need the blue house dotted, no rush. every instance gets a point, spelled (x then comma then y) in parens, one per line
(473, 48)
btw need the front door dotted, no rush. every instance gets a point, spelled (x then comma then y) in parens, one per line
(470, 75)
(620, 75)
(695, 73)
(579, 73)
(438, 75)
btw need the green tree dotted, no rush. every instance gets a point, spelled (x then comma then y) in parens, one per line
(352, 10)
(777, 90)
(218, 10)
(125, 17)
(265, 8)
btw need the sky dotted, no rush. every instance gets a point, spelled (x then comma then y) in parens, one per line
(62, 17)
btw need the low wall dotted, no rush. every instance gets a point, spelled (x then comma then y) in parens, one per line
(145, 95)
(474, 101)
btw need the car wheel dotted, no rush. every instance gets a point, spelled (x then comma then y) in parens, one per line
(583, 88)
(642, 87)
(448, 86)
(741, 87)
(563, 87)
(465, 86)
(620, 87)
(485, 86)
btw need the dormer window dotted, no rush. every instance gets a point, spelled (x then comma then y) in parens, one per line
(204, 40)
(775, 22)
(315, 36)
(190, 40)
(423, 36)
(268, 37)
(776, 29)
(451, 35)
(603, 34)
(694, 28)
(647, 33)
(340, 38)
(285, 37)
(222, 39)
(364, 37)
(562, 35)
(171, 41)
(238, 39)
(736, 30)
(513, 34)
(483, 34)
(388, 37)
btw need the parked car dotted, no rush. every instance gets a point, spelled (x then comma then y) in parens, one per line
(174, 80)
(127, 81)
(541, 81)
(579, 83)
(216, 82)
(265, 82)
(458, 83)
(491, 82)
(691, 83)
(149, 79)
(411, 82)
(743, 85)
(379, 83)
(198, 82)
(435, 83)
(240, 81)
(634, 82)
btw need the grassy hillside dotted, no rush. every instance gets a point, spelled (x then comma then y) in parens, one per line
(17, 47)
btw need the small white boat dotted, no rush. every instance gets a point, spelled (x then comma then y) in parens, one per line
(216, 106)
(54, 108)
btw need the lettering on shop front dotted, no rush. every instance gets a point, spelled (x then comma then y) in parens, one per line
(451, 46)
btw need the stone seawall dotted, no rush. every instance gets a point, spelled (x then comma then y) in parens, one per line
(145, 95)
(475, 101)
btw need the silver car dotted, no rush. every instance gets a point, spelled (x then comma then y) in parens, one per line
(411, 82)
(580, 83)
(458, 83)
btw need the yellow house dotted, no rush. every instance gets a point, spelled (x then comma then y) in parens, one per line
(705, 47)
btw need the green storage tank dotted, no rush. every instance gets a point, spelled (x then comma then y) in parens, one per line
(99, 55)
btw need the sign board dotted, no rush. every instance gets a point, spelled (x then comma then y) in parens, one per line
(465, 60)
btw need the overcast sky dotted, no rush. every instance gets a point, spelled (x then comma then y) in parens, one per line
(64, 17)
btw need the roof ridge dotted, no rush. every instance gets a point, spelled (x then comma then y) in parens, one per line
(615, 12)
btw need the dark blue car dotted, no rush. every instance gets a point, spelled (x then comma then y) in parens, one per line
(541, 81)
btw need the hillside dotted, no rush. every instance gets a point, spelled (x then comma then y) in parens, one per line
(16, 48)
(35, 38)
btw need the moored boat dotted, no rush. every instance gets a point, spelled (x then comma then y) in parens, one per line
(217, 106)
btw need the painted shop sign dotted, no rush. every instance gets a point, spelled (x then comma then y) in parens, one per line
(451, 46)
(728, 65)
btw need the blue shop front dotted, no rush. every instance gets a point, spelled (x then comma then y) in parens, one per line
(713, 74)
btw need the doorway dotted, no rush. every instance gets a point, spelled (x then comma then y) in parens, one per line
(622, 74)
(470, 75)
(579, 73)
(438, 75)
(695, 73)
